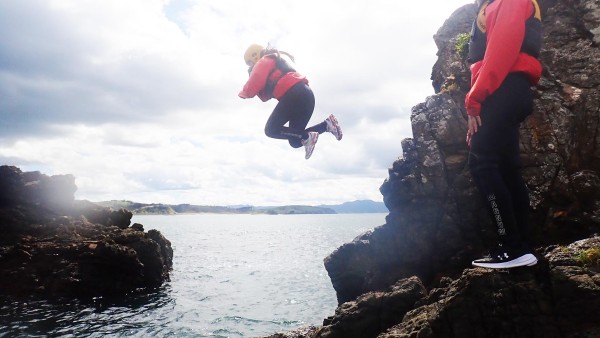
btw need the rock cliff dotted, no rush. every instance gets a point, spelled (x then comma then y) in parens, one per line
(412, 277)
(52, 245)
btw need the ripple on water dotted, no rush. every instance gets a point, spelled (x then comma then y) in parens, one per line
(233, 276)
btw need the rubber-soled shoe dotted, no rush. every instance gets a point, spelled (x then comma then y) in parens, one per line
(334, 127)
(309, 143)
(506, 259)
(533, 263)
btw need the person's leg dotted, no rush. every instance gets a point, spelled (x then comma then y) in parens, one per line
(275, 123)
(511, 163)
(329, 125)
(301, 112)
(295, 102)
(485, 170)
(319, 127)
(510, 169)
(498, 180)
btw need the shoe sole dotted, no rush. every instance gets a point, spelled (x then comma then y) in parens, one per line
(525, 260)
(312, 147)
(336, 125)
(533, 263)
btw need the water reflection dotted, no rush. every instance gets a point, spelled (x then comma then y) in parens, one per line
(102, 316)
(233, 276)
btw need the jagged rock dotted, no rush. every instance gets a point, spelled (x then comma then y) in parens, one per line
(438, 224)
(53, 193)
(53, 245)
(298, 333)
(450, 63)
(373, 312)
(560, 297)
(137, 226)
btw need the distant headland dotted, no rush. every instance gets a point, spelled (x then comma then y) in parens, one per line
(359, 206)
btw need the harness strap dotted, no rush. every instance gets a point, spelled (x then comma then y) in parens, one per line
(531, 42)
(281, 68)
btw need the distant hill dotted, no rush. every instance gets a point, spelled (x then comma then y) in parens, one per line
(169, 209)
(358, 207)
(364, 206)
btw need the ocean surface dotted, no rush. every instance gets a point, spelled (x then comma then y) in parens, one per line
(233, 276)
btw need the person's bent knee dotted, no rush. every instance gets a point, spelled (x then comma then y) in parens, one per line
(270, 132)
(295, 143)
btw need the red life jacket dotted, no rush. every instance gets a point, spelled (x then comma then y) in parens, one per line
(281, 68)
(268, 80)
(532, 42)
(504, 48)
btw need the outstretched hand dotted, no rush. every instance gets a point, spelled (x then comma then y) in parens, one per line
(473, 125)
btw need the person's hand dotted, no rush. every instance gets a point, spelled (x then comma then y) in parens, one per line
(473, 125)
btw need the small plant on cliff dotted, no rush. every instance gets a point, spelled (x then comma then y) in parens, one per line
(589, 257)
(461, 45)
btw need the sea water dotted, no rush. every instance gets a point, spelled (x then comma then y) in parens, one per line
(233, 276)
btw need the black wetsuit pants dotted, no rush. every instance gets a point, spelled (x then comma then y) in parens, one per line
(295, 107)
(494, 159)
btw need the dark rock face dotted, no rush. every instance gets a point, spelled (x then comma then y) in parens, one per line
(549, 301)
(53, 245)
(438, 224)
(373, 312)
(55, 193)
(559, 297)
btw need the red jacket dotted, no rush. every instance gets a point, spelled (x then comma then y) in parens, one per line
(505, 30)
(258, 80)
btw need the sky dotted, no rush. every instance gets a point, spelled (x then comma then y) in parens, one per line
(138, 98)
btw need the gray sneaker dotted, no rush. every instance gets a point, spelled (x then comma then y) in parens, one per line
(309, 143)
(334, 127)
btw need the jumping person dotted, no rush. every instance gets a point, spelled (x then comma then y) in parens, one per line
(271, 76)
(504, 49)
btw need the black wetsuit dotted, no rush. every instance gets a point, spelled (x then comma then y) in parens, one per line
(494, 159)
(296, 106)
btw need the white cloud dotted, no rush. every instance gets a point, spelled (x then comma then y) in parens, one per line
(138, 98)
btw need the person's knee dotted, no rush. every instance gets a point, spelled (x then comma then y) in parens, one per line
(269, 132)
(295, 143)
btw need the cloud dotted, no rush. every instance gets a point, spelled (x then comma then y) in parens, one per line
(138, 98)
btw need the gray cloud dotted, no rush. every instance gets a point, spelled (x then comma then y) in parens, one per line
(140, 100)
(48, 76)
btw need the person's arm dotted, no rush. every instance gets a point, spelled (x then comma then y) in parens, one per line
(264, 97)
(505, 34)
(258, 78)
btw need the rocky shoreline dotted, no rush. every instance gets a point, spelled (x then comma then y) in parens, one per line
(412, 277)
(55, 246)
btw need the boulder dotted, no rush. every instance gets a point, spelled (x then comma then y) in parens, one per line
(437, 223)
(53, 245)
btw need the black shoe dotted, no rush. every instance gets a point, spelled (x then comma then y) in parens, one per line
(503, 259)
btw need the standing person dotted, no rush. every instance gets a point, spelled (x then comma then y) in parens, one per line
(271, 76)
(504, 48)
